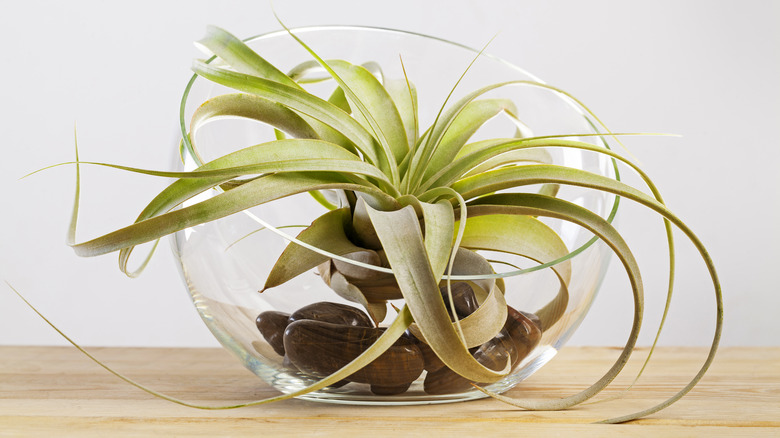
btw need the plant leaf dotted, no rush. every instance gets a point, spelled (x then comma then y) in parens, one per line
(439, 128)
(254, 192)
(515, 234)
(439, 230)
(482, 325)
(482, 152)
(539, 205)
(519, 156)
(376, 310)
(400, 234)
(463, 125)
(250, 107)
(239, 56)
(370, 93)
(572, 212)
(527, 237)
(327, 233)
(245, 60)
(388, 161)
(299, 101)
(404, 94)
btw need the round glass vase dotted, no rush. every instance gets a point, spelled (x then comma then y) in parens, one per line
(225, 263)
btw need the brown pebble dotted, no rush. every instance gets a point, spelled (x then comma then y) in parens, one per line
(271, 325)
(430, 359)
(492, 354)
(321, 348)
(525, 333)
(462, 297)
(520, 335)
(334, 313)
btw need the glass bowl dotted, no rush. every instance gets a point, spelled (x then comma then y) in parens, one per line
(225, 263)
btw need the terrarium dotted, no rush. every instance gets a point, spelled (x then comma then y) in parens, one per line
(545, 270)
(374, 216)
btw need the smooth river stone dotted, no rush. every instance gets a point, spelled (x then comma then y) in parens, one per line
(465, 304)
(431, 361)
(320, 348)
(520, 335)
(334, 313)
(493, 354)
(524, 330)
(462, 297)
(271, 325)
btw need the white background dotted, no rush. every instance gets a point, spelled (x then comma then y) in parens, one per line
(707, 70)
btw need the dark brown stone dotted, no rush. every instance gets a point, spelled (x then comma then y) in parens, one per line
(271, 325)
(462, 297)
(430, 359)
(334, 313)
(523, 330)
(520, 335)
(492, 354)
(321, 348)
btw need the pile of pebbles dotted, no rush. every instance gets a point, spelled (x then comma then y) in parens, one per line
(321, 338)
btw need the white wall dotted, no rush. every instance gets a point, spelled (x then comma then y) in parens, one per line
(707, 70)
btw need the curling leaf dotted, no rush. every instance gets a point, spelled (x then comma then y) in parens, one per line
(247, 195)
(299, 101)
(239, 56)
(400, 234)
(527, 237)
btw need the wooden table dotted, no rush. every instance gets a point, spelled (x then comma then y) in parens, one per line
(56, 391)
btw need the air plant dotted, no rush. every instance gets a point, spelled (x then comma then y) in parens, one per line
(416, 203)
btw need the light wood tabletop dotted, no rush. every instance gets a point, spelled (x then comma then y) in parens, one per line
(57, 391)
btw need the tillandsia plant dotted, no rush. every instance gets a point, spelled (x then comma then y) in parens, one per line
(417, 210)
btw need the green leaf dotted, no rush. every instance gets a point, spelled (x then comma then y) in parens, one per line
(420, 160)
(299, 101)
(477, 155)
(518, 156)
(525, 236)
(244, 60)
(327, 233)
(380, 113)
(404, 94)
(277, 157)
(239, 56)
(364, 229)
(247, 195)
(505, 178)
(439, 228)
(440, 128)
(463, 125)
(252, 107)
(388, 161)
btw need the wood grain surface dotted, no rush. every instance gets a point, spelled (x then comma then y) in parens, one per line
(57, 391)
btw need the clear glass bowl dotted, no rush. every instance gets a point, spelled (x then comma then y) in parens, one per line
(225, 263)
